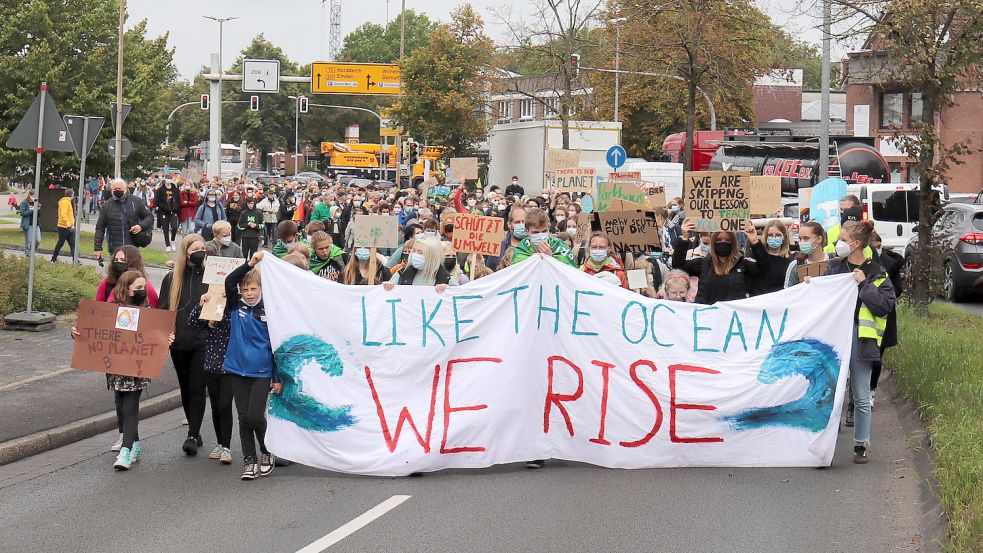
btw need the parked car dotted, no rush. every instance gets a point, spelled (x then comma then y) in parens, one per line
(307, 176)
(960, 232)
(893, 207)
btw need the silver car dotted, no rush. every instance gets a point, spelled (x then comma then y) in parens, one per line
(960, 231)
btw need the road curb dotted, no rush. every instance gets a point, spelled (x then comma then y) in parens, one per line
(90, 257)
(46, 440)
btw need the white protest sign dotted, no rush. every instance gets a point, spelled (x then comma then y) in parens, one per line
(543, 361)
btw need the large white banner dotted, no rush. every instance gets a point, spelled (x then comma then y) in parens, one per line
(543, 361)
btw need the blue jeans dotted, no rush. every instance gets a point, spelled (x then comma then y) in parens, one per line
(860, 387)
(28, 247)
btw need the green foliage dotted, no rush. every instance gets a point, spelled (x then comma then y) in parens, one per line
(937, 365)
(58, 287)
(72, 45)
(373, 43)
(445, 82)
(796, 54)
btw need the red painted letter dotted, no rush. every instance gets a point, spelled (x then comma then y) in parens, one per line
(448, 409)
(655, 401)
(605, 378)
(404, 414)
(673, 406)
(552, 397)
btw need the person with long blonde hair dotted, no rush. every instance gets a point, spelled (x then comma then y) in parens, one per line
(777, 243)
(724, 273)
(181, 291)
(425, 267)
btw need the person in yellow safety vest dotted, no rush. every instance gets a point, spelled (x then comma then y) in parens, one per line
(849, 211)
(876, 298)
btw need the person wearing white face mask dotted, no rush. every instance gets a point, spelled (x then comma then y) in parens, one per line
(601, 259)
(539, 241)
(209, 213)
(357, 269)
(222, 236)
(424, 267)
(812, 241)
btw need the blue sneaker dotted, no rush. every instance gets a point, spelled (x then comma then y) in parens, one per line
(135, 453)
(123, 460)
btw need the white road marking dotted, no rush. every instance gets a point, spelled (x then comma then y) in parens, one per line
(355, 524)
(33, 379)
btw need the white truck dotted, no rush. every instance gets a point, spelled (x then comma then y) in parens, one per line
(519, 149)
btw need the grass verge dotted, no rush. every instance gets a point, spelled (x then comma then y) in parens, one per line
(939, 365)
(58, 287)
(15, 236)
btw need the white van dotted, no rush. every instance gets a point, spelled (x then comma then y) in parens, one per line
(893, 207)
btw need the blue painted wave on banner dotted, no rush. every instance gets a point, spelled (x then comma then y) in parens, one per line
(293, 404)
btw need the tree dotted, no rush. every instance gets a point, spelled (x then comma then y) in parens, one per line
(373, 43)
(933, 47)
(713, 45)
(76, 56)
(445, 83)
(792, 53)
(547, 39)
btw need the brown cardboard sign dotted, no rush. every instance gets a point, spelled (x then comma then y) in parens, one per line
(816, 269)
(636, 232)
(128, 341)
(558, 158)
(478, 234)
(217, 268)
(464, 168)
(618, 196)
(719, 197)
(765, 195)
(378, 231)
(214, 310)
(577, 179)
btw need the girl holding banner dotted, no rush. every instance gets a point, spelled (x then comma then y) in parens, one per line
(777, 242)
(812, 241)
(724, 273)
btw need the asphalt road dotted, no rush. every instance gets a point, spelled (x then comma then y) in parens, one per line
(974, 306)
(70, 499)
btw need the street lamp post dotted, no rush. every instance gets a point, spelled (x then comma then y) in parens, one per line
(118, 155)
(215, 110)
(296, 100)
(617, 64)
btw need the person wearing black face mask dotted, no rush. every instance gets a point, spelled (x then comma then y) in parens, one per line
(724, 273)
(120, 218)
(181, 291)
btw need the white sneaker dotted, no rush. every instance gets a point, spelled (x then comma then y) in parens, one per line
(226, 458)
(216, 452)
(118, 445)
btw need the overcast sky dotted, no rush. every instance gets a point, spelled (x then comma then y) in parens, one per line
(297, 28)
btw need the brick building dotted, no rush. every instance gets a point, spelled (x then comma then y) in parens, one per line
(875, 104)
(531, 98)
(778, 95)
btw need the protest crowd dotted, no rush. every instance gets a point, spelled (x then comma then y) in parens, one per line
(228, 360)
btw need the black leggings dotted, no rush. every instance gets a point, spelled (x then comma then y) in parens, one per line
(168, 224)
(190, 368)
(249, 246)
(131, 417)
(220, 397)
(250, 397)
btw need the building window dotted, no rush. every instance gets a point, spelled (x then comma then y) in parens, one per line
(916, 106)
(527, 109)
(552, 107)
(505, 111)
(892, 104)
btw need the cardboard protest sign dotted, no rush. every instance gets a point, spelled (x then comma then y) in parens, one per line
(217, 268)
(812, 269)
(557, 158)
(656, 192)
(578, 179)
(765, 195)
(754, 382)
(635, 232)
(719, 197)
(584, 229)
(128, 341)
(620, 197)
(464, 168)
(379, 231)
(805, 196)
(824, 203)
(626, 177)
(637, 279)
(478, 234)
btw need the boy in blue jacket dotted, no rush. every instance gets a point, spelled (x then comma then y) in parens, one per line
(249, 363)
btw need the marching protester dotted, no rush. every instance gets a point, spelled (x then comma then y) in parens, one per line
(328, 260)
(812, 244)
(892, 263)
(130, 291)
(676, 286)
(457, 277)
(181, 291)
(222, 237)
(233, 209)
(288, 234)
(209, 213)
(425, 266)
(66, 224)
(167, 202)
(249, 362)
(189, 207)
(777, 244)
(724, 274)
(602, 259)
(270, 207)
(357, 269)
(121, 218)
(875, 301)
(250, 225)
(538, 240)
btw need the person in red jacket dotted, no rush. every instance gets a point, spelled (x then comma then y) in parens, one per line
(189, 206)
(602, 259)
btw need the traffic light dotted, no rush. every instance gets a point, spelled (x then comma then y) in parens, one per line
(575, 64)
(303, 104)
(254, 103)
(204, 101)
(414, 153)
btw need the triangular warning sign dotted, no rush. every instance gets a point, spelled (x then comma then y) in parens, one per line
(54, 137)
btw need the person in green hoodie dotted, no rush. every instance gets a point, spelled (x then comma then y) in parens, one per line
(288, 233)
(538, 240)
(322, 211)
(328, 260)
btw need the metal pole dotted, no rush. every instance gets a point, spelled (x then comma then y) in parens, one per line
(32, 242)
(402, 32)
(296, 134)
(215, 124)
(617, 67)
(824, 101)
(119, 94)
(78, 210)
(167, 136)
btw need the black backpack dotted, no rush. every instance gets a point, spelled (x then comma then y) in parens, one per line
(143, 238)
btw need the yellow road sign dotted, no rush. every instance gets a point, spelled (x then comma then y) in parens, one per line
(355, 78)
(388, 132)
